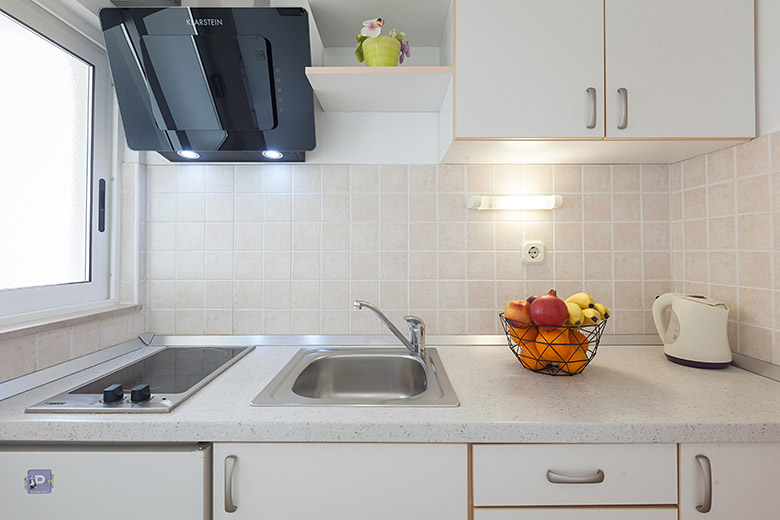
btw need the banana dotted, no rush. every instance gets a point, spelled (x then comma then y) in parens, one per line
(582, 299)
(576, 318)
(602, 310)
(592, 316)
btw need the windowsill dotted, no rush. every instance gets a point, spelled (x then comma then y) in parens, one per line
(26, 328)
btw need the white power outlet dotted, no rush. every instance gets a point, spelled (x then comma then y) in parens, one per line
(533, 252)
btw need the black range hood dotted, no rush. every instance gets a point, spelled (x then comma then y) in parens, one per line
(223, 84)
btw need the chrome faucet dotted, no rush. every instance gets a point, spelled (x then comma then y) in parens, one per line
(416, 341)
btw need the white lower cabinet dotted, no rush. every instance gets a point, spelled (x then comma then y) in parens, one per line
(347, 481)
(116, 481)
(577, 513)
(340, 481)
(729, 481)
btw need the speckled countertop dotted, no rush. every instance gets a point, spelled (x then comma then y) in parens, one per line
(626, 395)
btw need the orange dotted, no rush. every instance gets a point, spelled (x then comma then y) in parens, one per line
(579, 355)
(576, 362)
(554, 343)
(521, 335)
(578, 338)
(529, 355)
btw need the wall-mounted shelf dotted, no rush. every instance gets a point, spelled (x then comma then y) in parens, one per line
(380, 89)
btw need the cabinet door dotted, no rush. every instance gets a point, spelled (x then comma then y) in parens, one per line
(523, 69)
(743, 481)
(106, 482)
(340, 481)
(687, 68)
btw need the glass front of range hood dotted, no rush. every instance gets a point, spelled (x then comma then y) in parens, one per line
(220, 81)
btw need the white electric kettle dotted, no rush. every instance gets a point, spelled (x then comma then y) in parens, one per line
(695, 335)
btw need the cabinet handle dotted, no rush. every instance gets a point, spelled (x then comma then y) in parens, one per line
(706, 469)
(592, 121)
(557, 478)
(230, 464)
(624, 118)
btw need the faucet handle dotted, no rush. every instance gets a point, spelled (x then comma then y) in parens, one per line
(416, 332)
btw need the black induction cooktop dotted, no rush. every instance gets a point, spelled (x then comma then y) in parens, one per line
(157, 382)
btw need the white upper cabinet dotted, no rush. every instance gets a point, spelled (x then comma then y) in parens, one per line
(686, 67)
(524, 69)
(537, 81)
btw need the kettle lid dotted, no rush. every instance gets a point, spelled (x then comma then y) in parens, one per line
(704, 300)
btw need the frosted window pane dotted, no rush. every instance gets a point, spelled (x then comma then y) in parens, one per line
(45, 140)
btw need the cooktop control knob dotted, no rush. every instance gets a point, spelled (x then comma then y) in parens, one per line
(140, 393)
(113, 393)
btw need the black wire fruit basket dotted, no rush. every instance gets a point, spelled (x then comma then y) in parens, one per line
(556, 351)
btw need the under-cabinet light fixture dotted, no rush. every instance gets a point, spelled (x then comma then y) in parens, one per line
(514, 202)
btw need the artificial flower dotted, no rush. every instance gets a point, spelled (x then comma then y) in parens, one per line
(404, 51)
(372, 28)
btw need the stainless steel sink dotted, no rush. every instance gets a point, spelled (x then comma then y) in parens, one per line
(359, 377)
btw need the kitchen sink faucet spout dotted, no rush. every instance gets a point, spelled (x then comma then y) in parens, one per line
(416, 341)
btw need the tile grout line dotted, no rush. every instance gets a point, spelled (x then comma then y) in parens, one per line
(203, 287)
(734, 164)
(350, 329)
(582, 223)
(409, 239)
(772, 274)
(233, 250)
(612, 236)
(494, 242)
(707, 213)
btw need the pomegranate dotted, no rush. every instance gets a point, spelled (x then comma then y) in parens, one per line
(549, 310)
(531, 299)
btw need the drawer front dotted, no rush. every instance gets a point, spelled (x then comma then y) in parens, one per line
(575, 474)
(595, 513)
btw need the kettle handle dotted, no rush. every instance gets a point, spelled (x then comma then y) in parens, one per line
(660, 305)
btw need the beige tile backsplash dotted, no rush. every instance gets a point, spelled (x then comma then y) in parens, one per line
(285, 249)
(726, 237)
(25, 354)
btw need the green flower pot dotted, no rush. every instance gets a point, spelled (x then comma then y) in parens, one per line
(382, 51)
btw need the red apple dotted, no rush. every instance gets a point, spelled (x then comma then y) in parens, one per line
(518, 310)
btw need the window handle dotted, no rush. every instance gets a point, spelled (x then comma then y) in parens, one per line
(102, 205)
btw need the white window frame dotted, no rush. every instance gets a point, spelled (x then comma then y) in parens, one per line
(41, 302)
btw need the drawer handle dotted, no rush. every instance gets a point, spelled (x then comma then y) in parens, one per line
(557, 478)
(230, 465)
(706, 469)
(592, 120)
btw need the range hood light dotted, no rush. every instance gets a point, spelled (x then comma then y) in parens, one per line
(272, 154)
(188, 154)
